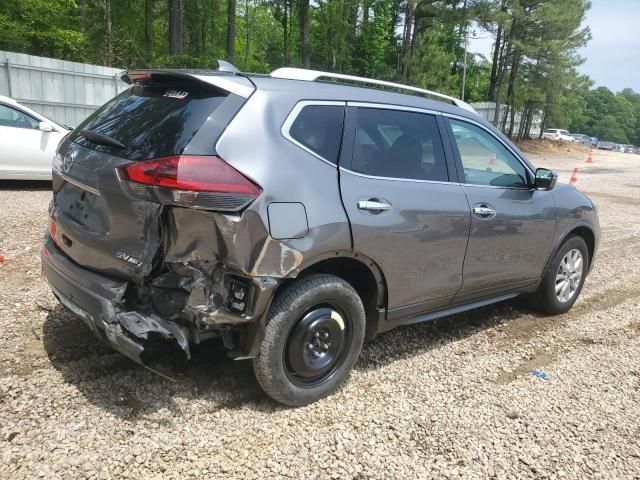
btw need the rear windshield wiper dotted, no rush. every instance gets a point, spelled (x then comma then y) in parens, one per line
(101, 139)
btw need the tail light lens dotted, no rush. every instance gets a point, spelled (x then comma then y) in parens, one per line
(194, 181)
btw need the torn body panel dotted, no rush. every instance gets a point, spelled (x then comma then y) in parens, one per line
(99, 301)
(207, 275)
(219, 269)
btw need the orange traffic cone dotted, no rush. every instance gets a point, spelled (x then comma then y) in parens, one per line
(574, 177)
(590, 157)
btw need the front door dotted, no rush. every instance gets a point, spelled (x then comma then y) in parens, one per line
(24, 148)
(512, 224)
(404, 212)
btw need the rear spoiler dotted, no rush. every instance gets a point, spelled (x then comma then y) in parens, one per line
(224, 78)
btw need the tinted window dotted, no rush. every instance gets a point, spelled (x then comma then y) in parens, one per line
(485, 160)
(10, 117)
(152, 120)
(397, 144)
(319, 128)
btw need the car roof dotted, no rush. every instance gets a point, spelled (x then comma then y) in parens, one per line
(330, 90)
(245, 83)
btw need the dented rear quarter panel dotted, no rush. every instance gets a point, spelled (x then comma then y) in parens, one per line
(283, 170)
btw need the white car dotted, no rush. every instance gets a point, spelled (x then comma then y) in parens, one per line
(558, 134)
(28, 142)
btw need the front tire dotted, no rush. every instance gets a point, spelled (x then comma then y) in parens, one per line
(312, 340)
(564, 278)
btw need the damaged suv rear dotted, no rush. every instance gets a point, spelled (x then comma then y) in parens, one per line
(160, 234)
(292, 219)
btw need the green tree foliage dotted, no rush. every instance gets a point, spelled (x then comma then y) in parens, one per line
(532, 69)
(49, 27)
(609, 116)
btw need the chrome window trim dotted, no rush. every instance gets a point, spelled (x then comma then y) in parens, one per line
(392, 106)
(77, 183)
(374, 177)
(527, 189)
(478, 124)
(293, 115)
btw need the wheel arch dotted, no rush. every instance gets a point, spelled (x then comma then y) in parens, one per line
(583, 231)
(360, 271)
(589, 238)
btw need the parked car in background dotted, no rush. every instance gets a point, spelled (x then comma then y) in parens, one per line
(594, 141)
(199, 205)
(628, 148)
(28, 142)
(558, 134)
(582, 139)
(606, 146)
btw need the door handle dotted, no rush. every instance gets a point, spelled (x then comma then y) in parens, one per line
(374, 205)
(484, 211)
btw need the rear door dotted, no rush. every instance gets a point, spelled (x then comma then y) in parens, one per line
(512, 224)
(104, 222)
(404, 211)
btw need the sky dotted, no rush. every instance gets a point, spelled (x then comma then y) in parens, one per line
(612, 56)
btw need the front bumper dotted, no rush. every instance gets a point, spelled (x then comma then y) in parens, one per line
(99, 301)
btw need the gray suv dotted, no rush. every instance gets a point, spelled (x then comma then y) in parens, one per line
(296, 214)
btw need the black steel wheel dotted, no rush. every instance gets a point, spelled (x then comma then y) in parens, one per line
(316, 345)
(312, 340)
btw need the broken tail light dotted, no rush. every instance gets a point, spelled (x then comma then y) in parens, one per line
(195, 181)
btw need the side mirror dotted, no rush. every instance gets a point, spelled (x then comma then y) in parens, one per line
(545, 179)
(45, 127)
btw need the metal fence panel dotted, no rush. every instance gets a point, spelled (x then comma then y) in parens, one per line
(66, 92)
(487, 111)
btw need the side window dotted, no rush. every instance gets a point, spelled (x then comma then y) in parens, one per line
(485, 160)
(398, 144)
(319, 128)
(10, 117)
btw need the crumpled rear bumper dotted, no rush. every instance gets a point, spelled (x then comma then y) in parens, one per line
(98, 301)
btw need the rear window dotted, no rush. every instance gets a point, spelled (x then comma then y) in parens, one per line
(152, 120)
(319, 128)
(398, 144)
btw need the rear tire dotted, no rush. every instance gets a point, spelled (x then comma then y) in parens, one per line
(564, 278)
(312, 340)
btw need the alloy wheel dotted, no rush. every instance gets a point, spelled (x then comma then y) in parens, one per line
(569, 275)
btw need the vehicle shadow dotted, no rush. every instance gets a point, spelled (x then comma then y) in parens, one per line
(116, 384)
(411, 340)
(22, 185)
(124, 388)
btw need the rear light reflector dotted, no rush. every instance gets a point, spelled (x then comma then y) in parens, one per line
(194, 181)
(53, 231)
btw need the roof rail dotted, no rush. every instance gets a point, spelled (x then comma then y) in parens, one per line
(313, 75)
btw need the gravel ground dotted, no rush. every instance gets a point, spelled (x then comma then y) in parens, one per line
(454, 398)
